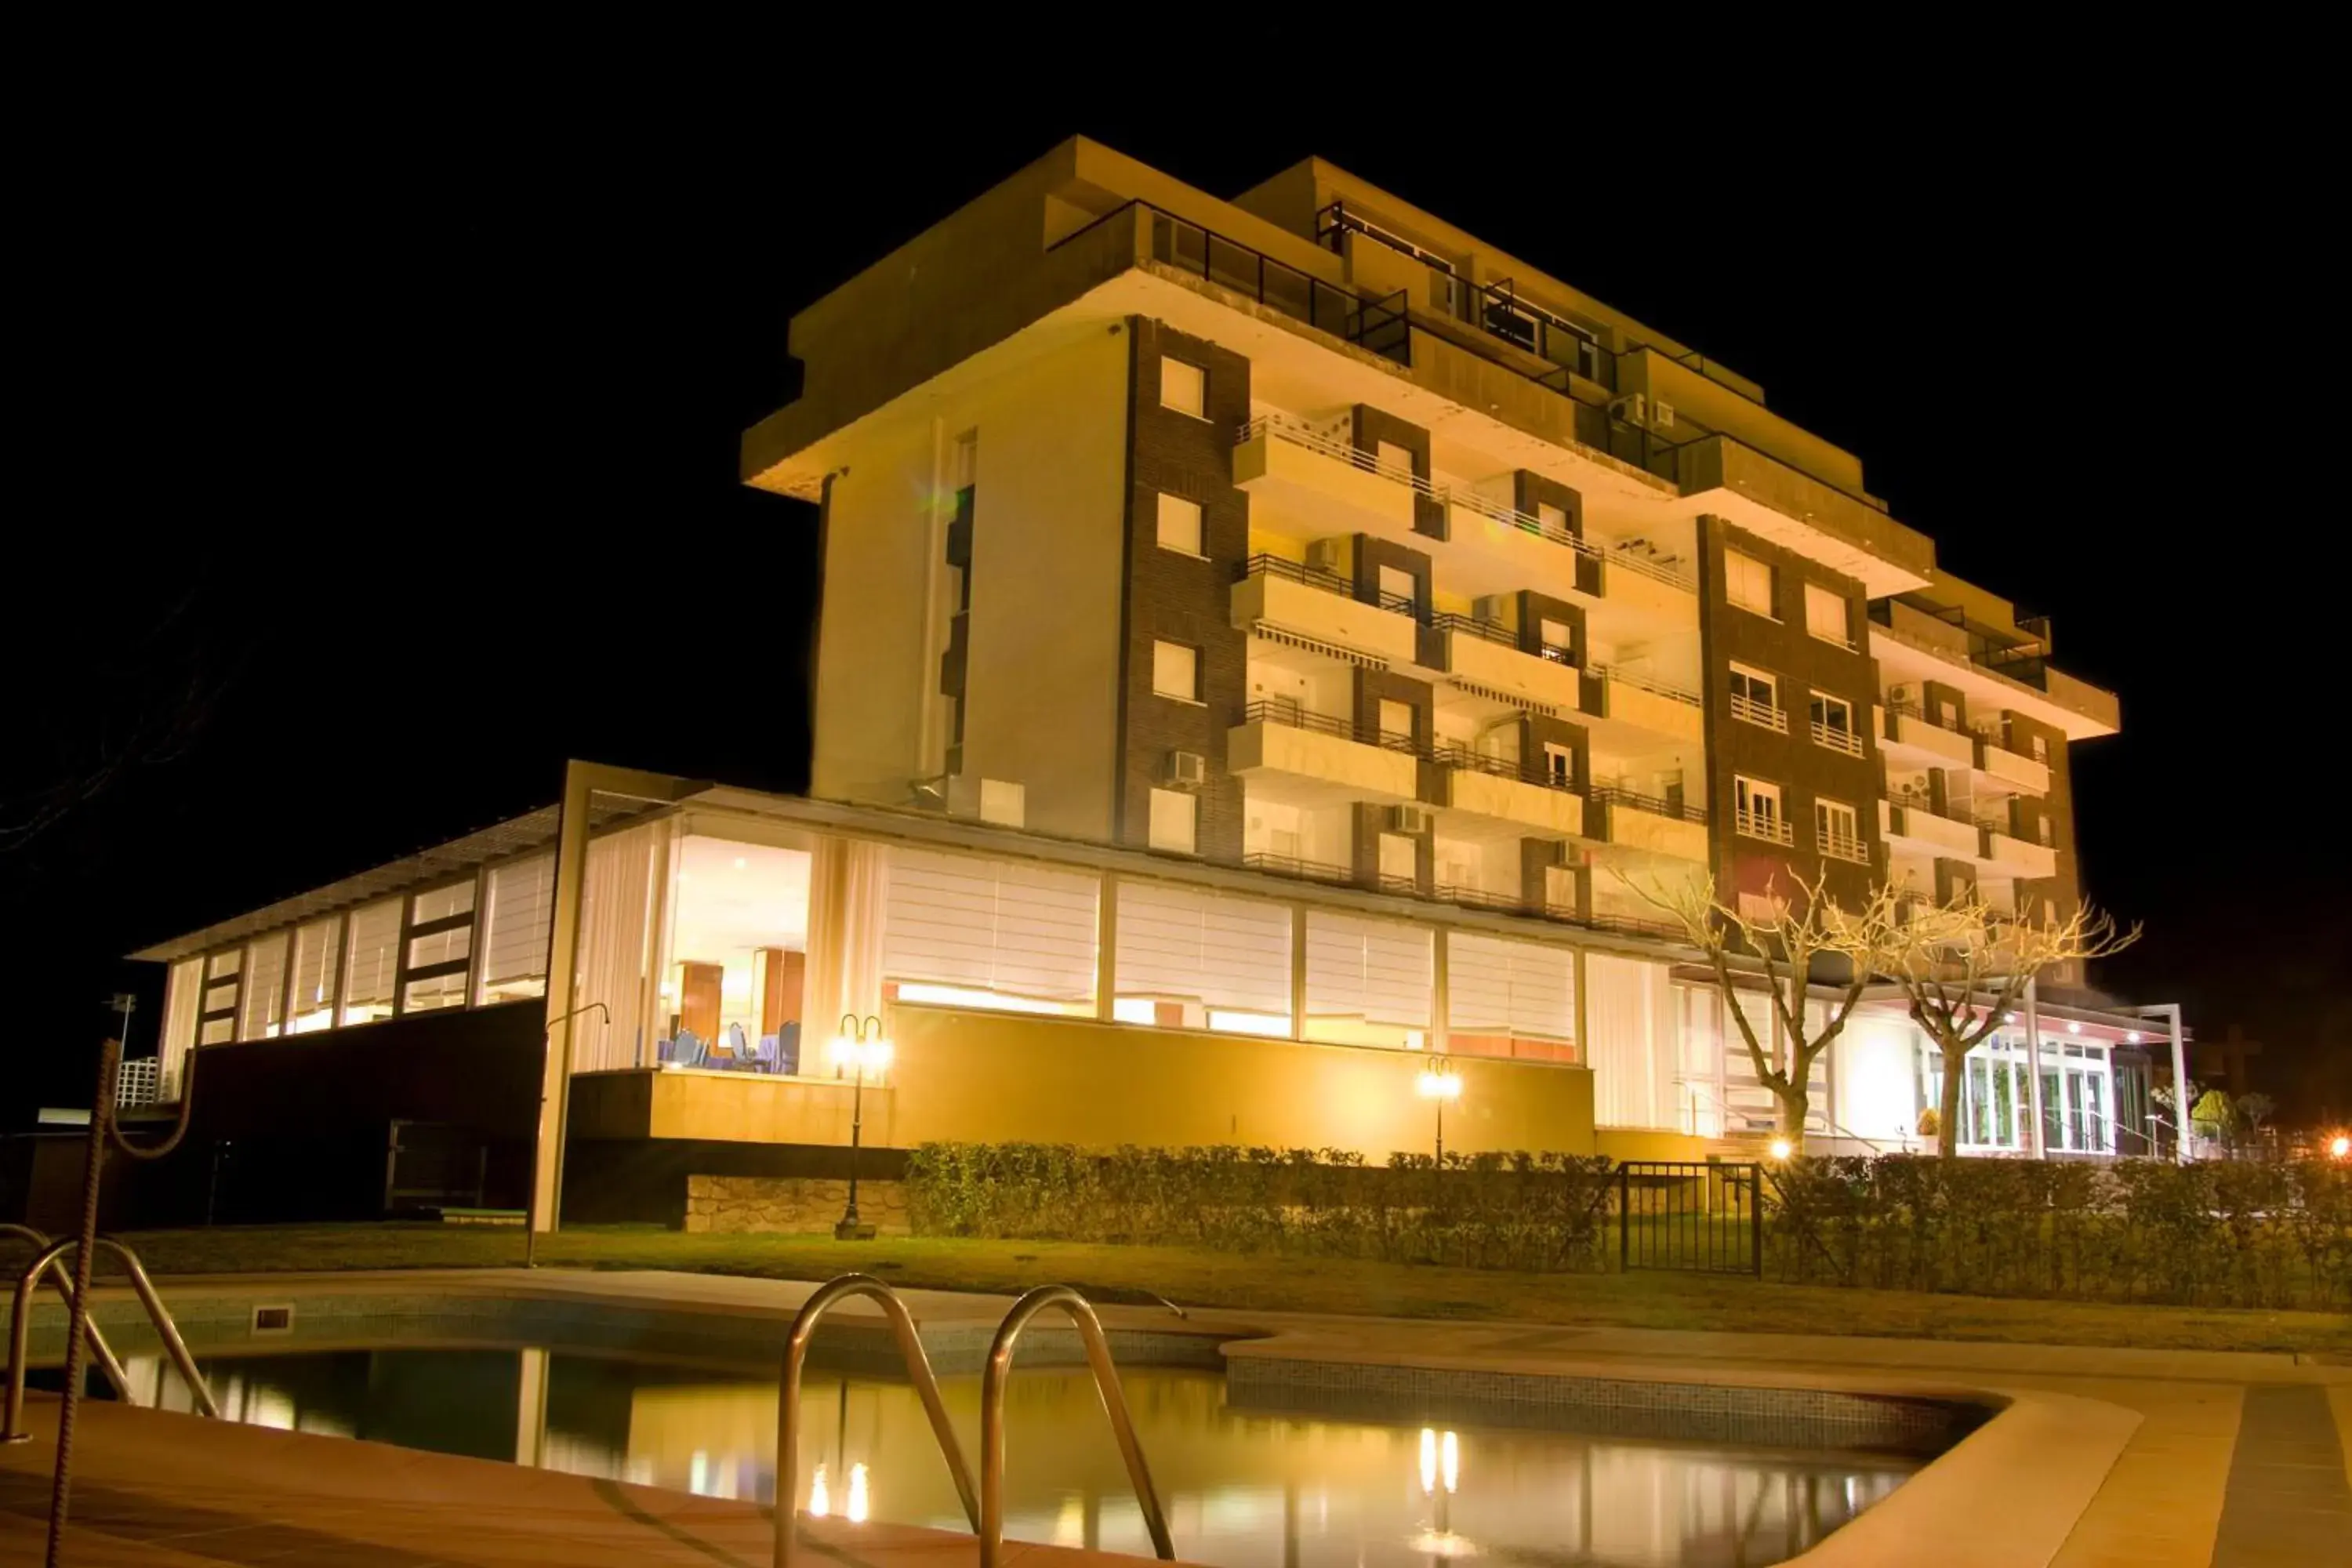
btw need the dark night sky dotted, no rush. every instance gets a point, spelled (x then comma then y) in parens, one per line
(406, 468)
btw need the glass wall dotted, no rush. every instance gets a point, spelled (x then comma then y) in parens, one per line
(1509, 998)
(440, 948)
(264, 983)
(517, 917)
(964, 932)
(733, 980)
(317, 948)
(1190, 959)
(1630, 1017)
(1997, 1095)
(372, 966)
(1369, 983)
(216, 1020)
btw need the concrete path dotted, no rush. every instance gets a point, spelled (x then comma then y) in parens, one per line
(2102, 1456)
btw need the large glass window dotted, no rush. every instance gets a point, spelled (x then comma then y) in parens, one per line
(440, 948)
(1748, 581)
(1509, 998)
(732, 993)
(1368, 982)
(969, 932)
(1193, 959)
(371, 968)
(265, 989)
(317, 947)
(216, 1018)
(515, 929)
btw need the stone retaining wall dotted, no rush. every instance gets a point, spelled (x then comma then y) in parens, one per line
(789, 1203)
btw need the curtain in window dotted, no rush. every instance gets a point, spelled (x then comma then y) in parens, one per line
(1628, 1015)
(616, 916)
(1181, 945)
(181, 994)
(1520, 989)
(849, 899)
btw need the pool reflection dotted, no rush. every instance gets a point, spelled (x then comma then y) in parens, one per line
(1243, 1488)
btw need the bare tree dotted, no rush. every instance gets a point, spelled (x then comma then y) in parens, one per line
(1963, 966)
(1804, 939)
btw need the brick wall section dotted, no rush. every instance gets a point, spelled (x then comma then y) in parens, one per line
(1369, 426)
(1179, 598)
(789, 1203)
(1782, 646)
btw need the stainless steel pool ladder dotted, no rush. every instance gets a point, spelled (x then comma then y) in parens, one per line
(987, 1513)
(49, 1261)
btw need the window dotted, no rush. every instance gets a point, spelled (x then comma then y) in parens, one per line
(1399, 591)
(1553, 520)
(316, 946)
(964, 932)
(216, 1018)
(1396, 724)
(1394, 460)
(1756, 698)
(1825, 616)
(1193, 959)
(1180, 524)
(1838, 831)
(1558, 643)
(1368, 982)
(516, 927)
(1832, 719)
(1176, 671)
(264, 1008)
(1758, 809)
(1559, 767)
(2041, 749)
(1184, 387)
(1509, 998)
(440, 948)
(1175, 819)
(2046, 829)
(1748, 581)
(370, 966)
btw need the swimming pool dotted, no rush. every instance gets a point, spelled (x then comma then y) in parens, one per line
(1250, 1478)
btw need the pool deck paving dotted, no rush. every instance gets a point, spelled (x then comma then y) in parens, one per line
(2099, 1455)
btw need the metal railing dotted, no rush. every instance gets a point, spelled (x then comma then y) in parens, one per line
(827, 1296)
(1454, 754)
(1767, 826)
(1495, 632)
(1611, 794)
(108, 1365)
(1264, 566)
(1703, 1217)
(1836, 740)
(1845, 847)
(20, 1333)
(1296, 866)
(1290, 714)
(141, 1082)
(1479, 898)
(1646, 683)
(1072, 1305)
(1911, 710)
(1763, 714)
(1283, 428)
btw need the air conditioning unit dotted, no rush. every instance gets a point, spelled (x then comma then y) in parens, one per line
(1411, 819)
(1633, 408)
(1902, 694)
(1493, 608)
(1327, 555)
(1187, 770)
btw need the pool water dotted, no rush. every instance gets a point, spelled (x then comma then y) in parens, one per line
(1243, 1488)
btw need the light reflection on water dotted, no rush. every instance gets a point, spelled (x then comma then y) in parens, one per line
(1243, 1488)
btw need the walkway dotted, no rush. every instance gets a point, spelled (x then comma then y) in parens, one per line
(2104, 1455)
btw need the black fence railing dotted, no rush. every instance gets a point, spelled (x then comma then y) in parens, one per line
(1471, 626)
(1293, 715)
(1656, 805)
(1454, 754)
(1911, 710)
(1693, 1216)
(1291, 570)
(1293, 865)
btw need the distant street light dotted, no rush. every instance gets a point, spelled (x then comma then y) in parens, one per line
(2340, 1147)
(859, 1048)
(1438, 1084)
(1782, 1149)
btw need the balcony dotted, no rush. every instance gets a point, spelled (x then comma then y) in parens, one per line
(1911, 824)
(1646, 821)
(1767, 826)
(1905, 728)
(1843, 847)
(2006, 855)
(1293, 866)
(1652, 706)
(1995, 760)
(1509, 792)
(1321, 759)
(1319, 606)
(1837, 739)
(2017, 669)
(1482, 654)
(1764, 714)
(1324, 478)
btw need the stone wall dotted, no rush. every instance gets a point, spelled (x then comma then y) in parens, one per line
(789, 1203)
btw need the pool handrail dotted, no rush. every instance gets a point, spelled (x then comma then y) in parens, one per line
(108, 1365)
(919, 1370)
(1114, 1402)
(12, 1415)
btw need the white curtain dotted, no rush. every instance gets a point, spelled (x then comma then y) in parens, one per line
(616, 922)
(849, 896)
(1629, 1014)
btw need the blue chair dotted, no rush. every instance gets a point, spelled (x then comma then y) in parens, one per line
(788, 1049)
(763, 1057)
(687, 1050)
(735, 1046)
(663, 1049)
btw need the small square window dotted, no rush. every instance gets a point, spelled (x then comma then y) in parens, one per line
(1176, 671)
(1180, 524)
(1825, 616)
(1184, 387)
(1175, 821)
(1748, 581)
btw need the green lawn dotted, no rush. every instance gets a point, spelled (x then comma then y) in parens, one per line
(1196, 1277)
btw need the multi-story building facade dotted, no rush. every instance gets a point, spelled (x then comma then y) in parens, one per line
(1259, 636)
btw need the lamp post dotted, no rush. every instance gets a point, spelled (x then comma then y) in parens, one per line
(1439, 1083)
(859, 1046)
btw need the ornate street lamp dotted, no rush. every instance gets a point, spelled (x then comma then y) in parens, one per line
(1439, 1083)
(859, 1048)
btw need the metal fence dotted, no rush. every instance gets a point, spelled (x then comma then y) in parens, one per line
(1696, 1216)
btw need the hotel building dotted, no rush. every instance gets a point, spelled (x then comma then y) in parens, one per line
(1258, 640)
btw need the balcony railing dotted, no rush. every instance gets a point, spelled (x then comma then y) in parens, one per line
(1291, 715)
(1479, 898)
(1606, 794)
(1836, 740)
(1764, 825)
(1452, 755)
(1924, 805)
(1911, 710)
(1763, 714)
(1291, 570)
(1470, 626)
(1292, 866)
(1291, 431)
(1646, 683)
(1845, 847)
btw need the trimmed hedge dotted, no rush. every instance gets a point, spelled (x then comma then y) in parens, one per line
(2214, 1233)
(1490, 1211)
